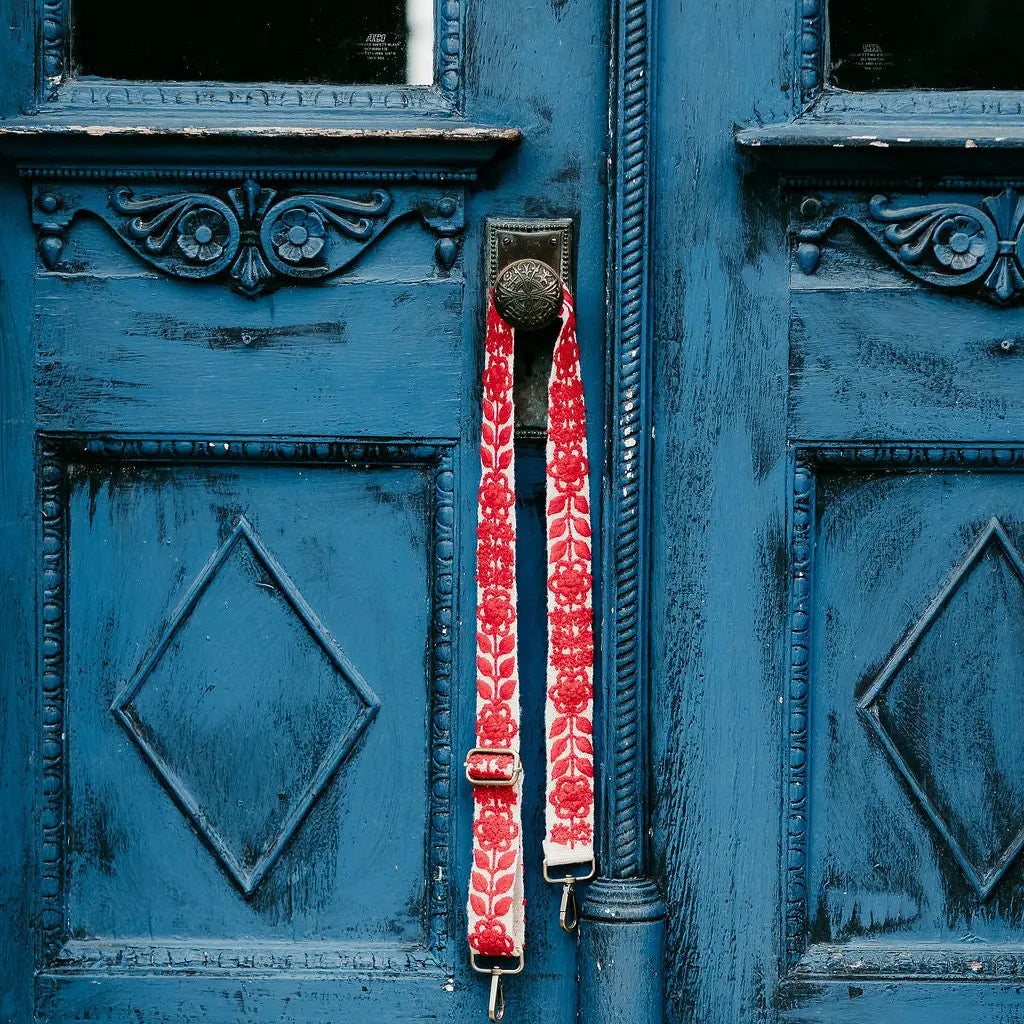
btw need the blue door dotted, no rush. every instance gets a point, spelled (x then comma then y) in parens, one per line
(838, 586)
(241, 326)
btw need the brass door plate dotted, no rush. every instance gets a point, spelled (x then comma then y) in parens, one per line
(549, 241)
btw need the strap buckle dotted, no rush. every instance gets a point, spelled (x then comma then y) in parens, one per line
(491, 773)
(496, 1000)
(568, 911)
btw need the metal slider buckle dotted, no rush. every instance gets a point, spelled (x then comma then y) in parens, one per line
(516, 772)
(496, 1001)
(568, 911)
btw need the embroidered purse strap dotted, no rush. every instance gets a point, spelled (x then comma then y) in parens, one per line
(569, 704)
(495, 910)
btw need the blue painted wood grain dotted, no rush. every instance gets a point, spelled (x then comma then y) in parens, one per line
(806, 878)
(370, 359)
(870, 364)
(720, 274)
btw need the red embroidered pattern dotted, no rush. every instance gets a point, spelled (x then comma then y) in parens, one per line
(495, 909)
(495, 900)
(569, 710)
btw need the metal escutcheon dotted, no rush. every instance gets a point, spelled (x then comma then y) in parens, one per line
(528, 294)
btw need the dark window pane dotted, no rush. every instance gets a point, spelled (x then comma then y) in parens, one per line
(299, 41)
(926, 44)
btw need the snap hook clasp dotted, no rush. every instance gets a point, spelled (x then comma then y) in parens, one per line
(496, 1000)
(568, 912)
(496, 1003)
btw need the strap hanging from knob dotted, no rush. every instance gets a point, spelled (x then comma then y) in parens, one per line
(496, 907)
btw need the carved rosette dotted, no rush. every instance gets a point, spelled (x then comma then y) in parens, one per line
(250, 235)
(950, 243)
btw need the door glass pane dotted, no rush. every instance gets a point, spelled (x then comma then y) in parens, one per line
(302, 41)
(926, 44)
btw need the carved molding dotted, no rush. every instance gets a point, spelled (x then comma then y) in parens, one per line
(212, 958)
(52, 816)
(105, 96)
(949, 242)
(445, 96)
(923, 456)
(54, 45)
(810, 47)
(629, 432)
(233, 449)
(794, 825)
(443, 592)
(963, 961)
(448, 47)
(57, 452)
(251, 236)
(113, 172)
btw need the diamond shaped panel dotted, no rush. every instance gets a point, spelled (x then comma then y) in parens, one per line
(947, 706)
(246, 706)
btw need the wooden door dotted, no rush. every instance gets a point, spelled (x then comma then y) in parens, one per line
(838, 586)
(241, 329)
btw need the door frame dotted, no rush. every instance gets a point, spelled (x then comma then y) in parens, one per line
(624, 920)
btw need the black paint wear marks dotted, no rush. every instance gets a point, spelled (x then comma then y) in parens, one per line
(926, 44)
(304, 41)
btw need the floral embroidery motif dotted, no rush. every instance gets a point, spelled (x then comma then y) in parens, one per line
(569, 710)
(495, 908)
(495, 900)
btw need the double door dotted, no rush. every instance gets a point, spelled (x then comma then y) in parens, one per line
(241, 330)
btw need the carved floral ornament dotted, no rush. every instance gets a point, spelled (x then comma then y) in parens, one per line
(950, 243)
(250, 235)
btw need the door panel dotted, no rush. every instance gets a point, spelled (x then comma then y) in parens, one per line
(374, 359)
(869, 364)
(248, 649)
(249, 686)
(873, 356)
(911, 803)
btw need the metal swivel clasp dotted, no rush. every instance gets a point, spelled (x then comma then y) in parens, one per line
(568, 911)
(496, 1000)
(496, 1003)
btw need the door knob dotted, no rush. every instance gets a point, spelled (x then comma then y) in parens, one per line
(528, 262)
(528, 294)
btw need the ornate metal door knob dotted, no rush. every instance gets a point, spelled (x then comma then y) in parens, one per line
(528, 294)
